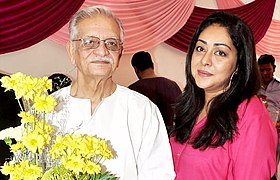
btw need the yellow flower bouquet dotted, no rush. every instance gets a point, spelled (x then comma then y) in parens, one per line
(39, 151)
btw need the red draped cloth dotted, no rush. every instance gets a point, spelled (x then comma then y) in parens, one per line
(270, 42)
(26, 22)
(258, 14)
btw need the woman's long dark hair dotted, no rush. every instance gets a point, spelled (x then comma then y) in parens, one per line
(222, 114)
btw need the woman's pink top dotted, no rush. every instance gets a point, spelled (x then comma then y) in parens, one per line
(251, 155)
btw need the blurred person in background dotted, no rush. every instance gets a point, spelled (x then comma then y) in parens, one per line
(162, 91)
(270, 91)
(270, 86)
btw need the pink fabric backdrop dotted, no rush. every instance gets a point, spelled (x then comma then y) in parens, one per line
(258, 14)
(146, 23)
(270, 43)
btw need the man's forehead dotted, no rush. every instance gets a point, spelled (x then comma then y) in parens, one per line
(100, 24)
(268, 65)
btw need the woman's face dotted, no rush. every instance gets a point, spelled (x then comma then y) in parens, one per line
(214, 60)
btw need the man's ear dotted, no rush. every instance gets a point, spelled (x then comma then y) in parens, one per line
(71, 52)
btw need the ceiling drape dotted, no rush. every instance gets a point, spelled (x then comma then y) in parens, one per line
(270, 43)
(258, 14)
(26, 22)
(146, 23)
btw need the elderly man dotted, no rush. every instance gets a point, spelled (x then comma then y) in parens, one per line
(95, 104)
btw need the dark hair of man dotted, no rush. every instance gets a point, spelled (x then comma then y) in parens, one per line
(142, 60)
(267, 59)
(222, 115)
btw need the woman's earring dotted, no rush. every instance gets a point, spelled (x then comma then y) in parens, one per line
(235, 72)
(230, 79)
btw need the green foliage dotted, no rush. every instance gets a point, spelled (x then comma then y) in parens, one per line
(8, 141)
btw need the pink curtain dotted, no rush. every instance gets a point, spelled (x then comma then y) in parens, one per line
(226, 4)
(26, 22)
(146, 23)
(257, 14)
(270, 43)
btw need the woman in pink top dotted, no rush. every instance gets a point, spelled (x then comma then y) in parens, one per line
(222, 130)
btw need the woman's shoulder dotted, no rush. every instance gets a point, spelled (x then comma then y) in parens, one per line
(254, 103)
(252, 111)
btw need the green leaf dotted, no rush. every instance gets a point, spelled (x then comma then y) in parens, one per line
(97, 176)
(8, 141)
(107, 176)
(103, 176)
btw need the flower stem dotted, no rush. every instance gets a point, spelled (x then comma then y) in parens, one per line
(20, 105)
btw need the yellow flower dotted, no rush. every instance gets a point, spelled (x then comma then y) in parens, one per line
(44, 103)
(58, 147)
(26, 117)
(23, 170)
(92, 168)
(17, 146)
(12, 82)
(75, 163)
(69, 156)
(28, 171)
(26, 86)
(43, 127)
(7, 168)
(105, 151)
(42, 84)
(33, 142)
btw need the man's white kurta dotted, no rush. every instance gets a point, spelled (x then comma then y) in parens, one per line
(130, 122)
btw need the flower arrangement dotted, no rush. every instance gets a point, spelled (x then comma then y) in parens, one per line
(39, 151)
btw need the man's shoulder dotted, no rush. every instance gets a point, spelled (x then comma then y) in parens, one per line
(169, 81)
(126, 91)
(275, 83)
(277, 80)
(170, 84)
(135, 84)
(132, 96)
(154, 80)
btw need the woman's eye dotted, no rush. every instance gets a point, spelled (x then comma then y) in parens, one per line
(199, 48)
(220, 53)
